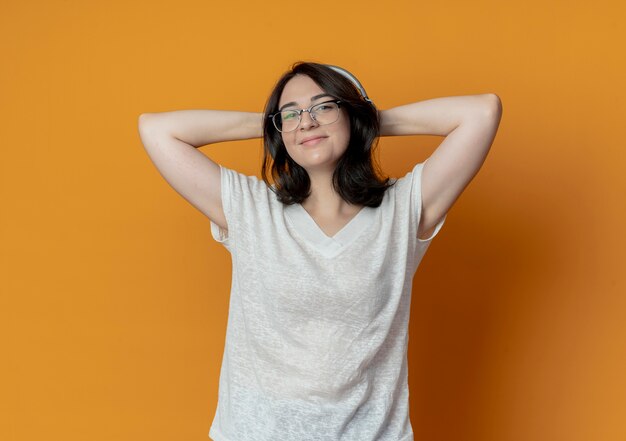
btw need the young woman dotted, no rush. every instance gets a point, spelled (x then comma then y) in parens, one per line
(324, 255)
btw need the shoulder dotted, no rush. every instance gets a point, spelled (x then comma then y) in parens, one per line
(241, 188)
(237, 178)
(410, 180)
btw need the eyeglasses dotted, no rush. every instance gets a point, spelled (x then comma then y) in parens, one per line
(322, 113)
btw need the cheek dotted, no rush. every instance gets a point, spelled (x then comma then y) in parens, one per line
(289, 138)
(345, 136)
(346, 128)
(289, 142)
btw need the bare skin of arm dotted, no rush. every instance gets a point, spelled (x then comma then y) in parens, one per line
(469, 124)
(171, 140)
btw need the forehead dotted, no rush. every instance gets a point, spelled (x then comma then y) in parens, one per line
(300, 89)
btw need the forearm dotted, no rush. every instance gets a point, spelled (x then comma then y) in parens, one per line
(437, 116)
(202, 127)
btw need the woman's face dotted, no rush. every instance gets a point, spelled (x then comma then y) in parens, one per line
(312, 146)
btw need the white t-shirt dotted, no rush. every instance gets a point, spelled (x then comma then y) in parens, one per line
(316, 341)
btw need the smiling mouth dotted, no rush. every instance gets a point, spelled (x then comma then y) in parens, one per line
(313, 141)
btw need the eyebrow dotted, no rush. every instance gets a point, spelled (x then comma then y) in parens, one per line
(316, 97)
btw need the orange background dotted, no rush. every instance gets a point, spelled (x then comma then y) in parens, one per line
(114, 295)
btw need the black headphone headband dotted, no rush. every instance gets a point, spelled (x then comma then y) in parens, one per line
(353, 79)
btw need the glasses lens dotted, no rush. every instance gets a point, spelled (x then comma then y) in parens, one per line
(325, 113)
(287, 120)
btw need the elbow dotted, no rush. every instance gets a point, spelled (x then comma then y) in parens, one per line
(145, 125)
(143, 119)
(494, 104)
(147, 122)
(493, 107)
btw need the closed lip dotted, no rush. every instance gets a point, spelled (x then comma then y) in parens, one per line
(311, 138)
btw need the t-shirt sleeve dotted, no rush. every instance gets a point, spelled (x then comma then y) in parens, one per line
(245, 200)
(235, 190)
(416, 202)
(218, 233)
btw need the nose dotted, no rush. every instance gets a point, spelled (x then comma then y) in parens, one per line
(307, 121)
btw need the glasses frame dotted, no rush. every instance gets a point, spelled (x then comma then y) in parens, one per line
(301, 111)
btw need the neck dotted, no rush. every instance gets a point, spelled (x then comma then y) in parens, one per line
(324, 199)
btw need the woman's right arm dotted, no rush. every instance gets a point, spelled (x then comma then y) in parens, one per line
(171, 140)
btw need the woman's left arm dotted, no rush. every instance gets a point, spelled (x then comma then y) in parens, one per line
(469, 124)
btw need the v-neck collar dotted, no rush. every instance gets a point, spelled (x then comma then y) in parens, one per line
(306, 227)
